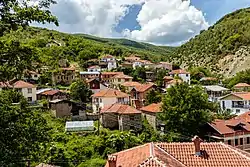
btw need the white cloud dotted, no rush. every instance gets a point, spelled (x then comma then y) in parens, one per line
(97, 17)
(167, 22)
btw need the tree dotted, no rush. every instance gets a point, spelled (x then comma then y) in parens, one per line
(185, 109)
(15, 13)
(160, 74)
(79, 91)
(153, 97)
(24, 133)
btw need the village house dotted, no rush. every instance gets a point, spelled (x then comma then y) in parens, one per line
(209, 81)
(139, 94)
(51, 94)
(107, 77)
(31, 75)
(119, 79)
(108, 97)
(96, 85)
(215, 92)
(241, 87)
(149, 112)
(94, 69)
(173, 82)
(234, 132)
(166, 79)
(28, 90)
(65, 108)
(150, 76)
(85, 75)
(122, 117)
(126, 64)
(108, 62)
(130, 85)
(64, 76)
(132, 59)
(237, 102)
(164, 65)
(184, 75)
(142, 63)
(187, 154)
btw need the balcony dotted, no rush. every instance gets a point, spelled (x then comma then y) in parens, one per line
(241, 106)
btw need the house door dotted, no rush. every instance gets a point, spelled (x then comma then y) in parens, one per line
(223, 105)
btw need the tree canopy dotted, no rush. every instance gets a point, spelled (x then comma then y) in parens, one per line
(79, 91)
(185, 109)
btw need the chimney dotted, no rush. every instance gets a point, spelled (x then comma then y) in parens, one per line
(112, 160)
(197, 144)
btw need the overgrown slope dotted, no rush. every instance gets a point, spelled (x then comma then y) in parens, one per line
(223, 47)
(51, 46)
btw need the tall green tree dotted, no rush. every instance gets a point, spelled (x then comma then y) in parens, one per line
(79, 91)
(153, 97)
(186, 109)
(24, 133)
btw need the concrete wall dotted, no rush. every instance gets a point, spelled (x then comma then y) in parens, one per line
(26, 94)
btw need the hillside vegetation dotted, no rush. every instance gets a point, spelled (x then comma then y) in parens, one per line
(223, 47)
(50, 46)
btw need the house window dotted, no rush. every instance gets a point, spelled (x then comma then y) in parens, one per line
(237, 111)
(132, 127)
(241, 141)
(35, 76)
(29, 90)
(100, 100)
(132, 117)
(19, 90)
(248, 140)
(229, 142)
(236, 142)
(58, 77)
(186, 75)
(29, 98)
(119, 80)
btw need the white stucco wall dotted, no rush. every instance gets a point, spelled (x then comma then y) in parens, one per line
(25, 93)
(229, 105)
(185, 77)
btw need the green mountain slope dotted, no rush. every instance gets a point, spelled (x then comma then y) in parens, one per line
(223, 47)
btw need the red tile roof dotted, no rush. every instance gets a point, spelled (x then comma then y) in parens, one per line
(22, 84)
(181, 155)
(120, 109)
(110, 93)
(130, 84)
(174, 81)
(144, 87)
(132, 58)
(168, 77)
(240, 85)
(69, 69)
(152, 108)
(50, 92)
(226, 126)
(91, 67)
(179, 71)
(112, 73)
(243, 95)
(122, 76)
(108, 56)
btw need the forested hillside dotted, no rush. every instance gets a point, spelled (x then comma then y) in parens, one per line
(224, 47)
(50, 46)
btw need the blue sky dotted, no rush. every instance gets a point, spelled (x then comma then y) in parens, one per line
(163, 22)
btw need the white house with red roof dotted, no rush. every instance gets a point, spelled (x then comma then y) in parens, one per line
(28, 90)
(94, 69)
(108, 97)
(108, 62)
(237, 102)
(183, 74)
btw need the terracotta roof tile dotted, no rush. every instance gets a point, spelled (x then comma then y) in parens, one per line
(22, 84)
(122, 76)
(174, 81)
(50, 92)
(181, 155)
(243, 95)
(144, 87)
(120, 109)
(168, 77)
(69, 69)
(110, 93)
(108, 56)
(92, 67)
(152, 108)
(132, 58)
(179, 71)
(130, 84)
(240, 85)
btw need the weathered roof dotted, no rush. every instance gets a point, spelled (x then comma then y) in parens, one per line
(93, 67)
(226, 126)
(23, 84)
(240, 85)
(143, 87)
(120, 109)
(110, 93)
(215, 88)
(112, 73)
(130, 84)
(242, 95)
(179, 71)
(180, 155)
(122, 76)
(50, 92)
(89, 73)
(154, 108)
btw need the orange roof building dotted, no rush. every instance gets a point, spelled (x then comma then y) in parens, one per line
(152, 108)
(241, 85)
(234, 132)
(121, 116)
(110, 93)
(180, 155)
(179, 71)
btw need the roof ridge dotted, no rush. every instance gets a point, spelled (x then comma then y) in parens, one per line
(235, 150)
(159, 162)
(170, 155)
